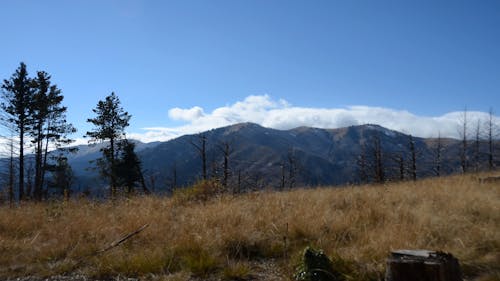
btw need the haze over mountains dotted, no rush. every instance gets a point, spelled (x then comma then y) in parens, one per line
(261, 157)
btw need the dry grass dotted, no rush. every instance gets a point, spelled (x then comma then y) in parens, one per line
(232, 237)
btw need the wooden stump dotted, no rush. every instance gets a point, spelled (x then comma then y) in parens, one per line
(422, 265)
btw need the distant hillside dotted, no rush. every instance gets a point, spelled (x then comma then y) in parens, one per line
(262, 157)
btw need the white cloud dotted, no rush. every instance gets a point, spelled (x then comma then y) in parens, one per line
(186, 114)
(280, 114)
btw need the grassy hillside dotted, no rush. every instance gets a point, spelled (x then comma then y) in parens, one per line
(257, 235)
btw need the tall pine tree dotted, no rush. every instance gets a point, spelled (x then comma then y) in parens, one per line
(17, 94)
(110, 123)
(50, 127)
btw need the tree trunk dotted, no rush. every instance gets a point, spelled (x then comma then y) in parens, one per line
(422, 265)
(21, 162)
(45, 156)
(204, 157)
(112, 168)
(11, 174)
(413, 159)
(226, 165)
(38, 164)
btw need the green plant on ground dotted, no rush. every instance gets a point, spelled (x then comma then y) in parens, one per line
(316, 266)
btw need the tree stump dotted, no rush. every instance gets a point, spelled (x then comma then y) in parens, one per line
(422, 265)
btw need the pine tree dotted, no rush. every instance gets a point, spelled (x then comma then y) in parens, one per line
(128, 170)
(110, 124)
(49, 125)
(17, 94)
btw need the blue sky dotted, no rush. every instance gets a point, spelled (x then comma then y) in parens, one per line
(182, 66)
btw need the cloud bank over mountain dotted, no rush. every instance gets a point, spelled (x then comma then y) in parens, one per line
(279, 114)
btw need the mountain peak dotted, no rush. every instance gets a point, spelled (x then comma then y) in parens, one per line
(242, 126)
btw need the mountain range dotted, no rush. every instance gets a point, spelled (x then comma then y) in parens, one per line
(259, 157)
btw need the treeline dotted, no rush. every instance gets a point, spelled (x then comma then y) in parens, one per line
(36, 140)
(476, 152)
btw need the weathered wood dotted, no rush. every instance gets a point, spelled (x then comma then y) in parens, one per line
(121, 240)
(422, 265)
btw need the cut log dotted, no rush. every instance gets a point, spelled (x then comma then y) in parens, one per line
(422, 265)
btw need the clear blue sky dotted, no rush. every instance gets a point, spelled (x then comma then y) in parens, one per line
(429, 57)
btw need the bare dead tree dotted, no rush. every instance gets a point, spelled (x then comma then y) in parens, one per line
(362, 165)
(438, 156)
(214, 170)
(226, 150)
(477, 145)
(399, 159)
(371, 166)
(490, 131)
(463, 150)
(8, 160)
(282, 180)
(172, 179)
(413, 158)
(292, 167)
(201, 147)
(379, 169)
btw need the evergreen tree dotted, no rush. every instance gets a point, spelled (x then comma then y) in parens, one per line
(49, 125)
(128, 171)
(110, 124)
(17, 94)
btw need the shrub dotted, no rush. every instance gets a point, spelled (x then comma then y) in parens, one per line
(316, 266)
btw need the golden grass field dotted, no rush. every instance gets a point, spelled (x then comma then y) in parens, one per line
(256, 235)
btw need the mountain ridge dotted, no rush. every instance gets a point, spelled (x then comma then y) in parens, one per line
(263, 157)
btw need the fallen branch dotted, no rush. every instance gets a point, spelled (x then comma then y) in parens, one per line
(122, 239)
(116, 243)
